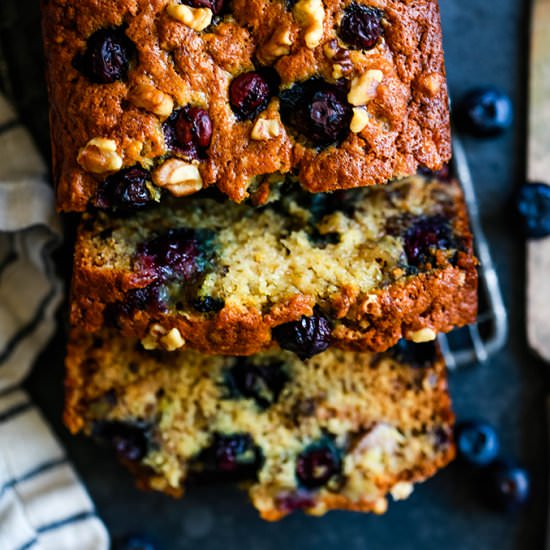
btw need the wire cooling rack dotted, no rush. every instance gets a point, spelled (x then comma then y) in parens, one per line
(476, 343)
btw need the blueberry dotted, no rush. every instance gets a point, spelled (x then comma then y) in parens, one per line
(263, 383)
(485, 112)
(534, 207)
(477, 442)
(307, 337)
(294, 501)
(232, 454)
(317, 110)
(188, 132)
(318, 463)
(416, 355)
(126, 190)
(249, 94)
(107, 56)
(424, 236)
(134, 542)
(508, 485)
(361, 26)
(208, 304)
(130, 440)
(215, 5)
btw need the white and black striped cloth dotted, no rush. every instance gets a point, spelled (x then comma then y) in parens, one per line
(43, 505)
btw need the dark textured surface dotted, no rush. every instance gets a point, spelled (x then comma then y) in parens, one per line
(486, 44)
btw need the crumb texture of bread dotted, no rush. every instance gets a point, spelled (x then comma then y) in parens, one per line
(380, 263)
(343, 430)
(124, 76)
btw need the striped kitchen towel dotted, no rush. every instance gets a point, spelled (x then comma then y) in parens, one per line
(43, 505)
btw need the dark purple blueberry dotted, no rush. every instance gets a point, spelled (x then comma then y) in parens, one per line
(232, 454)
(534, 208)
(208, 304)
(107, 56)
(443, 174)
(215, 5)
(178, 253)
(485, 112)
(307, 337)
(425, 236)
(125, 190)
(263, 383)
(508, 485)
(134, 542)
(291, 502)
(317, 110)
(361, 26)
(477, 442)
(189, 132)
(249, 94)
(130, 440)
(420, 356)
(317, 464)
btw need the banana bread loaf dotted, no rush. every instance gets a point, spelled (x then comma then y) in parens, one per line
(340, 431)
(165, 97)
(358, 269)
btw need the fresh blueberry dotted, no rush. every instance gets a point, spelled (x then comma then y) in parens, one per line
(477, 442)
(307, 337)
(249, 94)
(188, 132)
(134, 542)
(232, 454)
(424, 236)
(215, 5)
(420, 356)
(485, 112)
(130, 440)
(125, 190)
(508, 485)
(318, 463)
(107, 56)
(263, 383)
(534, 207)
(317, 110)
(361, 26)
(208, 304)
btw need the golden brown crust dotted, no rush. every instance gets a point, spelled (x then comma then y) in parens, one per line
(409, 115)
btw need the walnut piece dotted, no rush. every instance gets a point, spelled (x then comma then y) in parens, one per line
(421, 336)
(178, 177)
(195, 18)
(152, 99)
(100, 156)
(363, 87)
(359, 120)
(266, 128)
(310, 15)
(278, 45)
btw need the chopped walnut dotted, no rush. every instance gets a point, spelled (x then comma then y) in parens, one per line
(178, 177)
(100, 156)
(152, 99)
(363, 88)
(279, 44)
(266, 128)
(422, 335)
(195, 18)
(359, 120)
(310, 15)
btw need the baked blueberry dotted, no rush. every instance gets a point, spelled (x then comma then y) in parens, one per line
(208, 304)
(318, 463)
(485, 112)
(249, 95)
(361, 26)
(188, 132)
(107, 56)
(425, 236)
(534, 208)
(126, 190)
(417, 355)
(263, 383)
(215, 5)
(508, 485)
(130, 440)
(317, 110)
(477, 442)
(292, 502)
(134, 542)
(307, 337)
(232, 454)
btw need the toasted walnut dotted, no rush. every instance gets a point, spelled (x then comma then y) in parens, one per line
(340, 57)
(195, 18)
(363, 88)
(173, 340)
(266, 128)
(278, 45)
(158, 337)
(431, 83)
(152, 99)
(178, 177)
(422, 335)
(100, 156)
(402, 490)
(359, 120)
(310, 15)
